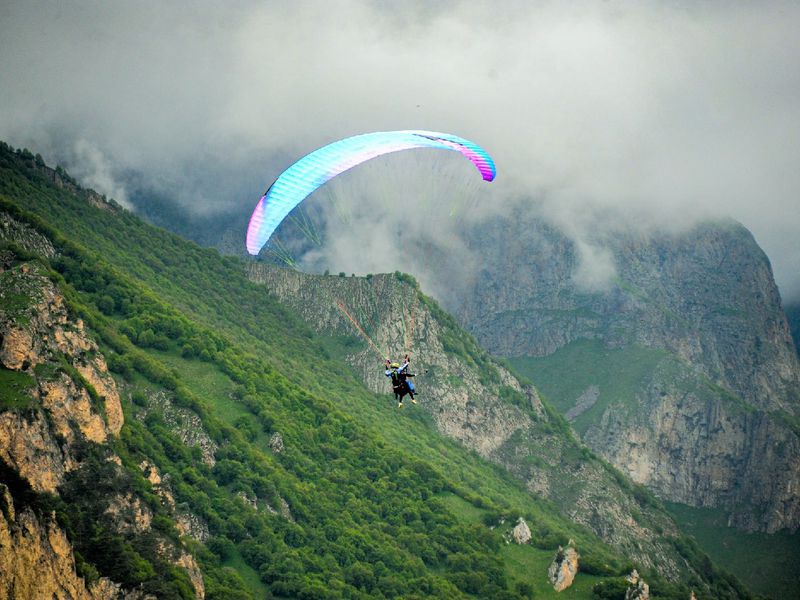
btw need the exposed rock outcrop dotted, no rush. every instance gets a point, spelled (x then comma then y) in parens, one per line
(638, 589)
(27, 445)
(521, 533)
(25, 236)
(584, 402)
(130, 514)
(193, 526)
(185, 423)
(160, 486)
(35, 330)
(188, 562)
(276, 443)
(36, 559)
(563, 569)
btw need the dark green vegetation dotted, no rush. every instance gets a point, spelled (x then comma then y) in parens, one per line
(15, 389)
(381, 506)
(767, 563)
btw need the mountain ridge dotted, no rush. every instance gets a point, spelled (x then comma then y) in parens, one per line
(699, 424)
(176, 321)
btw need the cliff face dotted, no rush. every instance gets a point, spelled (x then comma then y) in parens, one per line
(707, 297)
(793, 315)
(37, 560)
(697, 447)
(57, 399)
(74, 397)
(473, 399)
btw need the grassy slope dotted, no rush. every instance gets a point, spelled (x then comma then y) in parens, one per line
(200, 284)
(766, 563)
(564, 375)
(288, 369)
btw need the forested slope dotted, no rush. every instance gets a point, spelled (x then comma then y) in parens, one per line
(240, 454)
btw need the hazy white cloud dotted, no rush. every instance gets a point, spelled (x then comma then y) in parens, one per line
(653, 113)
(95, 171)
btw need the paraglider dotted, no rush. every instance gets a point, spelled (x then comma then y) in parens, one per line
(401, 384)
(313, 170)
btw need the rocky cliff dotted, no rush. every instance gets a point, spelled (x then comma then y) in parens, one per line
(68, 392)
(793, 315)
(707, 295)
(37, 560)
(713, 422)
(59, 406)
(473, 399)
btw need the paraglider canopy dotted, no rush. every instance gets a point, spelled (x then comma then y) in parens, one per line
(314, 169)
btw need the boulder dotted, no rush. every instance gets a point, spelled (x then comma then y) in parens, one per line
(638, 589)
(563, 569)
(521, 534)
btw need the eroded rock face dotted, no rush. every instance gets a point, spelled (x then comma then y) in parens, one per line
(185, 423)
(68, 404)
(16, 351)
(707, 298)
(36, 330)
(563, 569)
(130, 514)
(276, 443)
(681, 434)
(27, 445)
(193, 526)
(637, 588)
(187, 561)
(25, 236)
(36, 559)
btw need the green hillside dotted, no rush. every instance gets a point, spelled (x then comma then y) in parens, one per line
(564, 375)
(378, 505)
(767, 563)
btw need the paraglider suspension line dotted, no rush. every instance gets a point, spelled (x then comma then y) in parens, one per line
(360, 330)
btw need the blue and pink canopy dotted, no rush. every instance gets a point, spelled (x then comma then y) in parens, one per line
(313, 170)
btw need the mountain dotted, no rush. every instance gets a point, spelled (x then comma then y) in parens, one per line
(682, 372)
(169, 429)
(793, 316)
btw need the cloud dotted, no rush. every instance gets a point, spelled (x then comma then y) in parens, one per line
(653, 113)
(95, 171)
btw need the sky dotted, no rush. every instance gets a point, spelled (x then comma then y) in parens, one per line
(651, 114)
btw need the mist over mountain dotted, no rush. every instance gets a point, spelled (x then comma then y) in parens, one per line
(635, 259)
(170, 428)
(657, 113)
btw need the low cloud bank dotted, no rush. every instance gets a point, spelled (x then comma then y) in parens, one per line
(658, 114)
